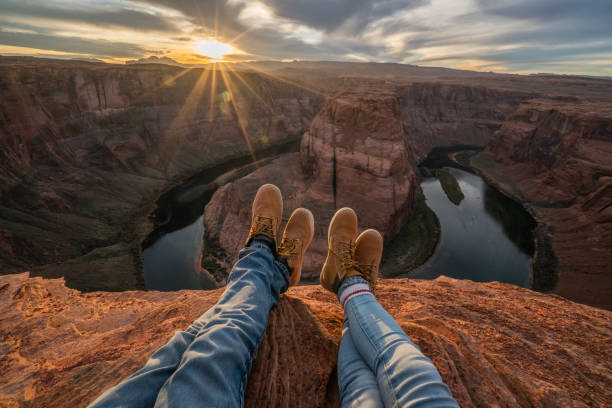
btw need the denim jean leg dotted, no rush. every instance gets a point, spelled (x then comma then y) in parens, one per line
(141, 388)
(357, 383)
(406, 378)
(214, 368)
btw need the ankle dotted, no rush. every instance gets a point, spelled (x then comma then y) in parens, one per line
(351, 287)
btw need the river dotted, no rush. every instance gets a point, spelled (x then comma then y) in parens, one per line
(487, 237)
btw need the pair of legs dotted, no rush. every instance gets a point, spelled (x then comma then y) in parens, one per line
(208, 364)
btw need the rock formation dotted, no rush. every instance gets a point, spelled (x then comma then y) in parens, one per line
(555, 157)
(360, 152)
(86, 148)
(446, 114)
(494, 344)
(354, 155)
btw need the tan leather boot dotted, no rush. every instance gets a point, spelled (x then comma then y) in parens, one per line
(368, 252)
(298, 235)
(267, 213)
(339, 263)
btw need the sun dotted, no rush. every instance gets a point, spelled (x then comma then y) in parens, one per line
(213, 49)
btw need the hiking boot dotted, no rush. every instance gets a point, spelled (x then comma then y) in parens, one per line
(368, 252)
(267, 213)
(298, 234)
(339, 263)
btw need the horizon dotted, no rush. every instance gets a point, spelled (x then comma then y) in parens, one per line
(223, 64)
(563, 38)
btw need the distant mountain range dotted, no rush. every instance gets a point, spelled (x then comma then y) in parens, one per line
(157, 60)
(571, 75)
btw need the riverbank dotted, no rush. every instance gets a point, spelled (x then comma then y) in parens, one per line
(545, 265)
(415, 243)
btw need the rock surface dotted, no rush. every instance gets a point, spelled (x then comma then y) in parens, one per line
(556, 158)
(354, 155)
(86, 149)
(494, 344)
(360, 152)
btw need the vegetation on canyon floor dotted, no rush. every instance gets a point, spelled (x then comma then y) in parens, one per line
(450, 186)
(415, 242)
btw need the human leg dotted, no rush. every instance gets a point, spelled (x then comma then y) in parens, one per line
(231, 330)
(207, 364)
(405, 377)
(141, 388)
(357, 383)
(214, 368)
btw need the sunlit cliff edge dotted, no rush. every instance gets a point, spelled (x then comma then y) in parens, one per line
(494, 344)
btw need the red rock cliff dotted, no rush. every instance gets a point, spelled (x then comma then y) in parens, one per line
(556, 158)
(354, 154)
(494, 344)
(360, 152)
(86, 148)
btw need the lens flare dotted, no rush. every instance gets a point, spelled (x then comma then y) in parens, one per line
(213, 49)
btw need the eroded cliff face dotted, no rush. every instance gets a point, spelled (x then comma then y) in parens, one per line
(494, 344)
(86, 148)
(555, 158)
(447, 114)
(360, 152)
(354, 154)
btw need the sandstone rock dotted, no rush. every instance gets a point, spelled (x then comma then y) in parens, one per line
(360, 152)
(494, 344)
(86, 148)
(445, 114)
(354, 155)
(557, 159)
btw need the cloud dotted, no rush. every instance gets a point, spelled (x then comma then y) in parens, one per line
(72, 45)
(89, 13)
(524, 35)
(332, 14)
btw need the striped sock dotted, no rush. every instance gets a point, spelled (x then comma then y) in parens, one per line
(351, 287)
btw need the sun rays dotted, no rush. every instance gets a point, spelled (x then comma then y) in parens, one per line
(228, 91)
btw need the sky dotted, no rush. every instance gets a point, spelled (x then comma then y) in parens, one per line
(521, 36)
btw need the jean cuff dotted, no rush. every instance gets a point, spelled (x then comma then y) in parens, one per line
(280, 263)
(260, 244)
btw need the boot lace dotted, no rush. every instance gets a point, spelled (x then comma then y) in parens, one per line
(262, 226)
(344, 254)
(367, 272)
(288, 247)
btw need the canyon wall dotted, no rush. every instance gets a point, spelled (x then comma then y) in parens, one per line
(86, 148)
(555, 158)
(446, 114)
(353, 155)
(494, 344)
(360, 152)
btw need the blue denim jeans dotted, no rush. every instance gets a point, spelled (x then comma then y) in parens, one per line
(207, 365)
(378, 364)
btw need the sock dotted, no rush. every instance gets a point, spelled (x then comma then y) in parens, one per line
(351, 287)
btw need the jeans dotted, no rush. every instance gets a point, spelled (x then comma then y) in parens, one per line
(378, 364)
(207, 365)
